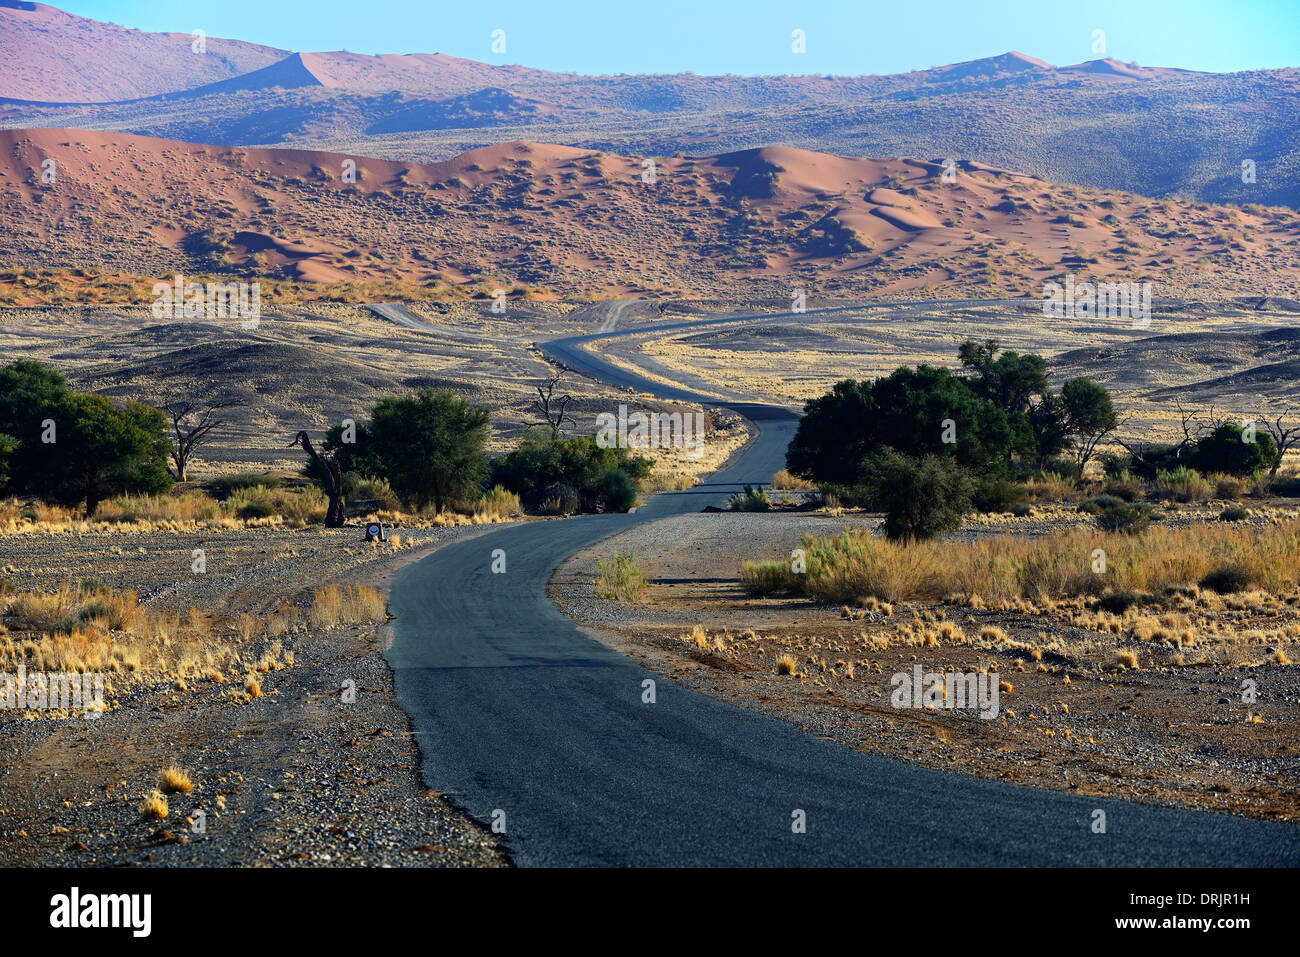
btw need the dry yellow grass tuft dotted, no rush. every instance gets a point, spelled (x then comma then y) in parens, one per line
(174, 780)
(784, 481)
(786, 665)
(153, 807)
(333, 605)
(1005, 568)
(251, 687)
(1127, 659)
(697, 636)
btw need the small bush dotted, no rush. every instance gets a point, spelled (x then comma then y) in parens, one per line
(1129, 519)
(752, 499)
(617, 491)
(254, 510)
(1230, 487)
(921, 498)
(1125, 485)
(996, 494)
(1118, 602)
(1183, 485)
(1234, 513)
(1051, 487)
(621, 578)
(498, 504)
(1288, 486)
(1099, 504)
(1226, 579)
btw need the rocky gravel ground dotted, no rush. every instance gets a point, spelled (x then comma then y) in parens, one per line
(320, 770)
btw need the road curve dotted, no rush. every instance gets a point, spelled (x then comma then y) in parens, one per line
(526, 722)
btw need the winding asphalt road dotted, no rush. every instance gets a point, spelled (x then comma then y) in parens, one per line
(529, 724)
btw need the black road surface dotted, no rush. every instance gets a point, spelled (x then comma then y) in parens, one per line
(532, 726)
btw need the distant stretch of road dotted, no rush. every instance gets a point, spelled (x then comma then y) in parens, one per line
(528, 723)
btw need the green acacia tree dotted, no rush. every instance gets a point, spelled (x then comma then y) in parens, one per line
(72, 447)
(1090, 417)
(430, 446)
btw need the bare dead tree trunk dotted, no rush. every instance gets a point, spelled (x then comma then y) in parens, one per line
(189, 437)
(1284, 438)
(552, 408)
(328, 467)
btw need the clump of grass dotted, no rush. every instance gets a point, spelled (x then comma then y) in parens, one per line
(1127, 658)
(786, 665)
(1234, 513)
(785, 481)
(153, 807)
(752, 499)
(1051, 487)
(333, 604)
(765, 578)
(174, 780)
(1183, 485)
(1125, 486)
(697, 636)
(1229, 487)
(241, 481)
(252, 687)
(855, 563)
(620, 578)
(498, 505)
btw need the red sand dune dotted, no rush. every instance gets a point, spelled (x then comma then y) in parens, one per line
(571, 220)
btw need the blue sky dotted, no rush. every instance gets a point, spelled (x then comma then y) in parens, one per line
(746, 36)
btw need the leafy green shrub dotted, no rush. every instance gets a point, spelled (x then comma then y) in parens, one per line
(1116, 466)
(1225, 450)
(993, 493)
(1234, 513)
(541, 469)
(1126, 518)
(921, 498)
(1100, 503)
(617, 491)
